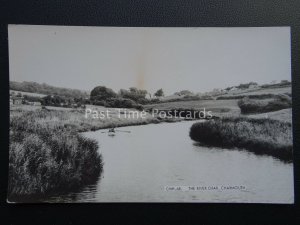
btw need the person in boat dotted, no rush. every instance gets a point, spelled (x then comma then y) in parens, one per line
(112, 130)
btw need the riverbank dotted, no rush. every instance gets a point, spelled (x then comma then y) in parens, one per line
(267, 133)
(76, 119)
(47, 157)
(128, 157)
(48, 141)
(258, 135)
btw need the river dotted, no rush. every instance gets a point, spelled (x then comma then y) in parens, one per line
(160, 163)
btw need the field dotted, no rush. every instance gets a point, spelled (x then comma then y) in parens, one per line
(76, 120)
(284, 115)
(218, 107)
(262, 126)
(257, 93)
(28, 93)
(230, 108)
(267, 130)
(275, 91)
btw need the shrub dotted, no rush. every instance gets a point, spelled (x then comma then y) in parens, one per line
(134, 94)
(32, 98)
(100, 102)
(262, 136)
(122, 103)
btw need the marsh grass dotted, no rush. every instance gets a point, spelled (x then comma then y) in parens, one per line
(261, 136)
(47, 157)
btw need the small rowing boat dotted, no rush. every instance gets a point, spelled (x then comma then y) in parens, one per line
(112, 131)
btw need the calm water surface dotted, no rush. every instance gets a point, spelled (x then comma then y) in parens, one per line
(160, 163)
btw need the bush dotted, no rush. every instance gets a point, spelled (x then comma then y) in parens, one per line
(262, 136)
(120, 103)
(134, 94)
(100, 102)
(47, 158)
(144, 101)
(251, 106)
(32, 98)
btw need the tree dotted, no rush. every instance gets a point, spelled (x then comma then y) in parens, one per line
(139, 92)
(53, 100)
(102, 93)
(32, 98)
(133, 94)
(159, 93)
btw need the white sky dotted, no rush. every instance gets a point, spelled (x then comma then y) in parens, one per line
(197, 59)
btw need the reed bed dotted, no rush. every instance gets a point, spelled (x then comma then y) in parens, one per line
(47, 157)
(261, 136)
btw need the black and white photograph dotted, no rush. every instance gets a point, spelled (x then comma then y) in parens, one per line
(150, 114)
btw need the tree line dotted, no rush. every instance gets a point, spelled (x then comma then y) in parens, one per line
(131, 98)
(100, 95)
(46, 89)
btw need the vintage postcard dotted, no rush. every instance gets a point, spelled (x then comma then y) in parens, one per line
(123, 114)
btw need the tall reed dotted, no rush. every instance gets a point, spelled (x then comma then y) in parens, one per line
(45, 157)
(261, 136)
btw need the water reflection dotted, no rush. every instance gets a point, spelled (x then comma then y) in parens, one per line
(247, 151)
(84, 194)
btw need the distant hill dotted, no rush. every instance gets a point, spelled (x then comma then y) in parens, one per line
(46, 89)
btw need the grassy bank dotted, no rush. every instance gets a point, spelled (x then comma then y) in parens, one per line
(46, 157)
(284, 115)
(261, 136)
(47, 153)
(75, 119)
